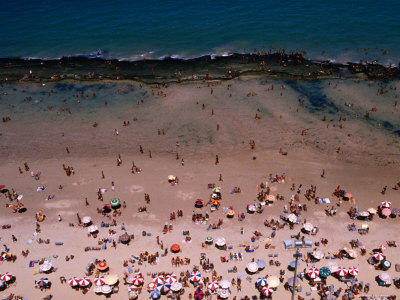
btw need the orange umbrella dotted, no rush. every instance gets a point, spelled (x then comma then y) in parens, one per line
(102, 266)
(230, 213)
(216, 202)
(175, 248)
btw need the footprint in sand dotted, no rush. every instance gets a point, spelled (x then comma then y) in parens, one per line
(60, 204)
(82, 181)
(136, 189)
(185, 196)
(149, 216)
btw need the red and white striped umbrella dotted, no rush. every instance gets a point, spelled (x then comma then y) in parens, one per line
(85, 281)
(342, 271)
(353, 271)
(99, 280)
(136, 280)
(379, 256)
(267, 291)
(382, 247)
(73, 281)
(292, 218)
(158, 279)
(386, 204)
(6, 277)
(313, 272)
(213, 285)
(171, 278)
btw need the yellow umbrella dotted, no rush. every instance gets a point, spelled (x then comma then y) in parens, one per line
(111, 279)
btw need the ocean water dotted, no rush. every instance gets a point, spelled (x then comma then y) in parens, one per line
(336, 30)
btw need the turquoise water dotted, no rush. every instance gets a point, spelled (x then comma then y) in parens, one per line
(338, 30)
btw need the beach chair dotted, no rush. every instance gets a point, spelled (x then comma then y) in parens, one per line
(298, 243)
(331, 288)
(288, 244)
(308, 242)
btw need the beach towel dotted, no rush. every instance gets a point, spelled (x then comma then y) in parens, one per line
(31, 264)
(59, 243)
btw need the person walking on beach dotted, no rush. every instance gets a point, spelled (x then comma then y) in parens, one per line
(86, 202)
(216, 159)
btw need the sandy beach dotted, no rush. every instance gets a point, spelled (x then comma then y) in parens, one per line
(343, 129)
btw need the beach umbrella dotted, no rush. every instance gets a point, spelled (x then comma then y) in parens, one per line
(158, 279)
(292, 264)
(45, 267)
(217, 190)
(261, 281)
(213, 285)
(175, 248)
(341, 271)
(267, 291)
(386, 264)
(164, 287)
(151, 286)
(381, 247)
(230, 213)
(353, 271)
(216, 202)
(364, 214)
(111, 279)
(195, 276)
(124, 238)
(85, 281)
(292, 218)
(270, 198)
(273, 281)
(372, 211)
(198, 203)
(224, 293)
(352, 253)
(386, 212)
(6, 277)
(43, 283)
(86, 220)
(225, 284)
(107, 208)
(347, 195)
(19, 207)
(396, 211)
(73, 281)
(176, 286)
(171, 278)
(98, 280)
(220, 241)
(379, 256)
(317, 254)
(292, 280)
(251, 208)
(102, 266)
(135, 280)
(261, 264)
(106, 289)
(324, 272)
(308, 226)
(333, 266)
(92, 229)
(209, 240)
(115, 202)
(384, 276)
(313, 272)
(252, 267)
(171, 178)
(155, 294)
(198, 294)
(386, 204)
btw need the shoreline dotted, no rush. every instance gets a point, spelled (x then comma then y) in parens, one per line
(205, 68)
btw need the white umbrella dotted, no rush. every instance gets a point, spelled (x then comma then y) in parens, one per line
(252, 267)
(364, 214)
(371, 210)
(92, 228)
(333, 266)
(251, 208)
(45, 267)
(317, 254)
(220, 241)
(106, 289)
(225, 284)
(308, 226)
(384, 276)
(224, 293)
(273, 281)
(292, 218)
(86, 220)
(176, 286)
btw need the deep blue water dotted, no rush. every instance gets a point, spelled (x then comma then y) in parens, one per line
(338, 30)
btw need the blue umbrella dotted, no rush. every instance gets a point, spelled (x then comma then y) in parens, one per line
(261, 263)
(261, 281)
(292, 264)
(155, 294)
(164, 288)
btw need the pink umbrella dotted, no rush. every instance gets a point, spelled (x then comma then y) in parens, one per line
(99, 280)
(137, 280)
(313, 272)
(73, 281)
(171, 278)
(158, 279)
(85, 281)
(353, 271)
(386, 204)
(386, 212)
(6, 277)
(379, 256)
(341, 271)
(213, 285)
(267, 291)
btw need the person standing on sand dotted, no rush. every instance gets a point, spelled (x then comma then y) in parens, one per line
(216, 159)
(86, 202)
(112, 185)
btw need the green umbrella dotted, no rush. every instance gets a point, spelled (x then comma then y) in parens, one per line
(386, 264)
(115, 202)
(209, 239)
(324, 272)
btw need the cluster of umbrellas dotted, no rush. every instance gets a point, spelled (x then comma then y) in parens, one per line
(103, 284)
(331, 269)
(163, 284)
(268, 285)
